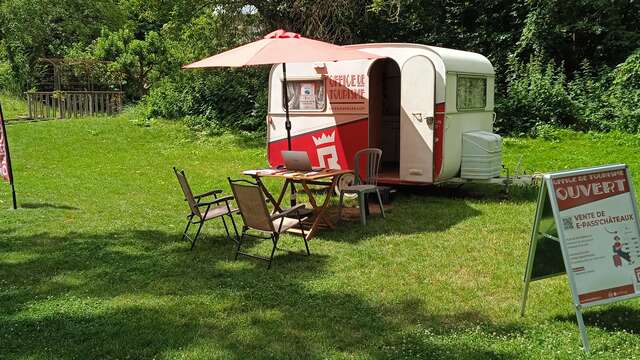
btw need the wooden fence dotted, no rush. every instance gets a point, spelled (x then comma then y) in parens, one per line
(67, 104)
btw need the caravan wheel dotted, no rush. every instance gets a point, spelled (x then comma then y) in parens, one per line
(343, 181)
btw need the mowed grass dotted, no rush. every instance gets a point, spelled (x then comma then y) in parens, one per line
(90, 265)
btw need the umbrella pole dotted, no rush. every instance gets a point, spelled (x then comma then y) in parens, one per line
(287, 124)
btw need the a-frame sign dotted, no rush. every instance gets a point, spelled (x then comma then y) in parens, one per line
(586, 222)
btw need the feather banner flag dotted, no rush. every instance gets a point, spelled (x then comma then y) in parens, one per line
(6, 173)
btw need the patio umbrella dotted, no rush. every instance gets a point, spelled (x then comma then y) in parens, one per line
(282, 47)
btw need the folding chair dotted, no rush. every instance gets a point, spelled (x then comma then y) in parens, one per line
(255, 214)
(366, 183)
(213, 209)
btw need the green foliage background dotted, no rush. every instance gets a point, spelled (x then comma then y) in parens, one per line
(570, 64)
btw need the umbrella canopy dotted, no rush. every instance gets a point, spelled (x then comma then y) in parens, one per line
(278, 47)
(283, 47)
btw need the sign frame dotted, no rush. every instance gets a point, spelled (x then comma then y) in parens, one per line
(547, 197)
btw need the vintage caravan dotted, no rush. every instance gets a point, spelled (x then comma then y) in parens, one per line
(429, 109)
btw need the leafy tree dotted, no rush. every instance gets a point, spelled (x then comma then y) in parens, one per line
(148, 41)
(212, 98)
(338, 21)
(491, 28)
(603, 32)
(626, 93)
(32, 29)
(140, 60)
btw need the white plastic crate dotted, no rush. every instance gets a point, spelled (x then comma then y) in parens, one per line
(481, 155)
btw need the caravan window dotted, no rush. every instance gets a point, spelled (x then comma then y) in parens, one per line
(471, 93)
(305, 95)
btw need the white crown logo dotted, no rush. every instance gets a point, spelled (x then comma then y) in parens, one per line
(324, 139)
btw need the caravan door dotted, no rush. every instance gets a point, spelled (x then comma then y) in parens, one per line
(417, 120)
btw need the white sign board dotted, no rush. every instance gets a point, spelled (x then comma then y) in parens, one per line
(591, 216)
(600, 233)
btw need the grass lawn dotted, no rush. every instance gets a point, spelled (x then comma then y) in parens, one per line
(90, 266)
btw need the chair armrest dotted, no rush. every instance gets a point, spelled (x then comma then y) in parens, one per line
(208, 193)
(287, 212)
(216, 201)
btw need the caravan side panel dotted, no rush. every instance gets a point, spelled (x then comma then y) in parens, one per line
(333, 146)
(458, 122)
(331, 132)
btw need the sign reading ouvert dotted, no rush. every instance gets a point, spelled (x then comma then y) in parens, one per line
(586, 225)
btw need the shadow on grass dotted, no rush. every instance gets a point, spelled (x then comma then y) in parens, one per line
(135, 331)
(426, 209)
(410, 214)
(141, 294)
(483, 192)
(47, 206)
(614, 318)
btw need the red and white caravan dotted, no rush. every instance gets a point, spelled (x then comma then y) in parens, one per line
(416, 104)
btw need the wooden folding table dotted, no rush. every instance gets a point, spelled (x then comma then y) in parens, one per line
(327, 178)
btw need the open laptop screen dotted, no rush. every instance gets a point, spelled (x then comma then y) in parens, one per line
(296, 160)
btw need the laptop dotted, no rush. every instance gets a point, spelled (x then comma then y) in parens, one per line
(297, 160)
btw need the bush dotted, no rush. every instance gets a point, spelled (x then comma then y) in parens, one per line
(539, 95)
(625, 93)
(13, 79)
(220, 98)
(166, 99)
(203, 125)
(591, 97)
(536, 95)
(6, 77)
(551, 133)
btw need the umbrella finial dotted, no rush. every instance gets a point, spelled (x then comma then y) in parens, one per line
(282, 34)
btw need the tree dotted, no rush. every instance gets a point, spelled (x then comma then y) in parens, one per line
(139, 59)
(491, 28)
(32, 29)
(604, 32)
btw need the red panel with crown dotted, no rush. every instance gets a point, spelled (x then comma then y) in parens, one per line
(333, 147)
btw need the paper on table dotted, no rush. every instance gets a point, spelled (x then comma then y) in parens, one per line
(311, 173)
(259, 171)
(291, 174)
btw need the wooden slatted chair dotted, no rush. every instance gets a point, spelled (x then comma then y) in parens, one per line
(202, 211)
(256, 216)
